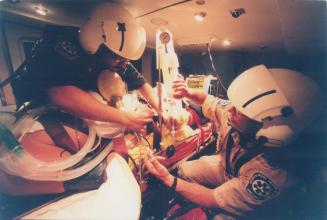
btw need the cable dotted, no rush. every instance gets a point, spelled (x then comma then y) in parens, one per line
(140, 168)
(147, 141)
(213, 66)
(134, 163)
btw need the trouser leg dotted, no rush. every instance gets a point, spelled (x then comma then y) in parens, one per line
(206, 171)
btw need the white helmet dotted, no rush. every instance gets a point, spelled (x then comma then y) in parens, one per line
(112, 25)
(284, 100)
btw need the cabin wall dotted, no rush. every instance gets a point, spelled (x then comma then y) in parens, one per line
(19, 37)
(147, 60)
(6, 94)
(17, 40)
(230, 64)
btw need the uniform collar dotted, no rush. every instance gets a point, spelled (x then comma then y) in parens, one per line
(244, 140)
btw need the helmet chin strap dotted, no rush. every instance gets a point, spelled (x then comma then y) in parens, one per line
(235, 127)
(273, 143)
(250, 129)
(244, 137)
(262, 140)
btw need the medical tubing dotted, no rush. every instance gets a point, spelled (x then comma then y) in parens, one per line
(15, 160)
(27, 161)
(59, 175)
(10, 141)
(21, 129)
(63, 164)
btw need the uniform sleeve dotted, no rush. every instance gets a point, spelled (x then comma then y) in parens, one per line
(132, 77)
(242, 195)
(50, 66)
(54, 64)
(214, 109)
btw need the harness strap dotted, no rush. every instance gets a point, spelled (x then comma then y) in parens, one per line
(54, 127)
(197, 121)
(252, 150)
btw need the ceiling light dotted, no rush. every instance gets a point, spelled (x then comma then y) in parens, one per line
(237, 12)
(200, 2)
(41, 10)
(199, 16)
(227, 42)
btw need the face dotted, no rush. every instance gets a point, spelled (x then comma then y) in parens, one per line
(241, 122)
(111, 60)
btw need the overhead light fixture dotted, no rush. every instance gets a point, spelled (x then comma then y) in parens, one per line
(41, 10)
(200, 2)
(199, 16)
(237, 12)
(227, 42)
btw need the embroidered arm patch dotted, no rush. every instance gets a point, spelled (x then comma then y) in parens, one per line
(261, 187)
(66, 49)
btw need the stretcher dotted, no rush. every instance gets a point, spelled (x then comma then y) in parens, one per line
(120, 196)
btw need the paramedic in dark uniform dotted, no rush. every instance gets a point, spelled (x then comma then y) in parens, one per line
(267, 108)
(67, 63)
(64, 67)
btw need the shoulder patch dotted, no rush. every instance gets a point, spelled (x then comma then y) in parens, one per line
(67, 49)
(261, 187)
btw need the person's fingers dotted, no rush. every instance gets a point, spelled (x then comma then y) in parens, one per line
(142, 121)
(142, 130)
(180, 76)
(178, 85)
(151, 169)
(157, 165)
(179, 94)
(160, 157)
(179, 91)
(148, 163)
(179, 80)
(149, 112)
(146, 158)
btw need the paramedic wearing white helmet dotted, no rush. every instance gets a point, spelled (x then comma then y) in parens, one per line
(65, 66)
(268, 108)
(68, 62)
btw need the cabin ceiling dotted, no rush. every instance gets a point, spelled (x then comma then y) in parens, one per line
(292, 26)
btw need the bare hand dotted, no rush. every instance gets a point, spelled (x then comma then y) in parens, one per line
(157, 169)
(137, 122)
(176, 121)
(180, 89)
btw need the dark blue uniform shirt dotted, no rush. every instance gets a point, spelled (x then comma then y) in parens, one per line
(59, 60)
